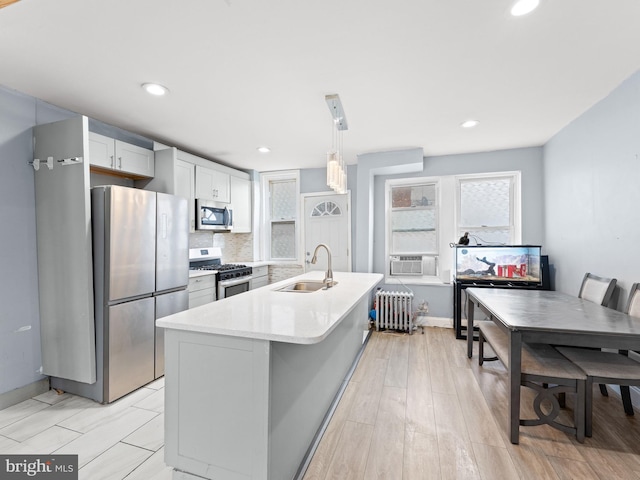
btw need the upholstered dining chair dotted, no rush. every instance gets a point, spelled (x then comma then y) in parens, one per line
(597, 289)
(608, 367)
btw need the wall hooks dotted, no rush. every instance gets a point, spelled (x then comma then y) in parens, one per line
(49, 162)
(36, 163)
(70, 161)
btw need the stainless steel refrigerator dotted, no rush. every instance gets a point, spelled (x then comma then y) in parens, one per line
(141, 272)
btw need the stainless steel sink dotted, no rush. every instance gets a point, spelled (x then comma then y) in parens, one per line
(303, 287)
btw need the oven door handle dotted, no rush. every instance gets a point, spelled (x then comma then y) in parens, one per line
(235, 281)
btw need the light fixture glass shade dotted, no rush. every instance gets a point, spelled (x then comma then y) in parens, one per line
(336, 168)
(333, 170)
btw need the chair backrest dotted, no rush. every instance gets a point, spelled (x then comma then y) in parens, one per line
(597, 289)
(633, 304)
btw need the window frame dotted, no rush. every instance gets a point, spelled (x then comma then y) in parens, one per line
(266, 178)
(515, 210)
(448, 218)
(406, 182)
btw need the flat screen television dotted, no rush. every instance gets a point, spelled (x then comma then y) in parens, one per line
(505, 264)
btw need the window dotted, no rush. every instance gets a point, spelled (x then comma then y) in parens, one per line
(487, 209)
(281, 214)
(426, 215)
(412, 233)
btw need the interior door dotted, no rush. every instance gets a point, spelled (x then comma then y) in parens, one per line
(327, 219)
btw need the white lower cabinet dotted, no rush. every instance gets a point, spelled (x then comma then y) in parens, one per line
(260, 277)
(202, 290)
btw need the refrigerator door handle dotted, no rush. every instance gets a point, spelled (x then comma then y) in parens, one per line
(164, 226)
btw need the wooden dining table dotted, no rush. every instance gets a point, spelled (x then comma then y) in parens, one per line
(542, 316)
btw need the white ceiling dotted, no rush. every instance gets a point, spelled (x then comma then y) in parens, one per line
(246, 73)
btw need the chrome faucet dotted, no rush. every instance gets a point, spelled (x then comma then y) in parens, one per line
(328, 277)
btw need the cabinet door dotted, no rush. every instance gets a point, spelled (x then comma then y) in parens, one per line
(202, 297)
(221, 188)
(133, 159)
(241, 204)
(259, 282)
(204, 183)
(211, 184)
(185, 186)
(101, 151)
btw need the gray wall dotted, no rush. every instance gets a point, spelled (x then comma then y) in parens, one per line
(20, 358)
(526, 160)
(592, 193)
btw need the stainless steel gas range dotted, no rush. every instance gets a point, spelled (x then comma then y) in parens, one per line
(231, 279)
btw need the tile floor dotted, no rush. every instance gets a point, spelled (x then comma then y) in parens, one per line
(122, 440)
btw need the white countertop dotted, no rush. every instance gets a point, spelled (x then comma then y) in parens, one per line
(200, 273)
(260, 263)
(267, 314)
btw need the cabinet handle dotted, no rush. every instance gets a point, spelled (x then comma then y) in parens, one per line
(120, 161)
(112, 164)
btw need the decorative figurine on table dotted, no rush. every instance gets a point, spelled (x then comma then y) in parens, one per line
(464, 240)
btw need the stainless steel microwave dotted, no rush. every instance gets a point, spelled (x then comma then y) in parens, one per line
(212, 215)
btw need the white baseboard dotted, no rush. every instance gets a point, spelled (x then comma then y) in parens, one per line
(21, 394)
(428, 321)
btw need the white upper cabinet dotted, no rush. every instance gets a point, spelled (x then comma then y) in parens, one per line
(212, 184)
(102, 151)
(241, 204)
(121, 157)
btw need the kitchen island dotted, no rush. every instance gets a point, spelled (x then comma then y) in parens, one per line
(249, 379)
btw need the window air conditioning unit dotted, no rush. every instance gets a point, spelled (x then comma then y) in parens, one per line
(406, 265)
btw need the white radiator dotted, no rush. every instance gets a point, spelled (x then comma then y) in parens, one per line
(393, 311)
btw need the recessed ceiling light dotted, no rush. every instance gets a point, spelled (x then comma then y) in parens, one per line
(264, 149)
(522, 7)
(469, 123)
(155, 89)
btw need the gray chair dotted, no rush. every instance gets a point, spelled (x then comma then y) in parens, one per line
(597, 289)
(608, 367)
(541, 365)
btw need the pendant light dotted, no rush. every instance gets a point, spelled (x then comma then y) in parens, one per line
(336, 167)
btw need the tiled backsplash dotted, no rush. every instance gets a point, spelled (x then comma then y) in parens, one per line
(236, 247)
(282, 272)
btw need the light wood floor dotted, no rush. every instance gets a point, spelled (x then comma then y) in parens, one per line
(415, 409)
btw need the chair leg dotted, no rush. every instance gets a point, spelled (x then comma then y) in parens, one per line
(480, 348)
(603, 390)
(626, 399)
